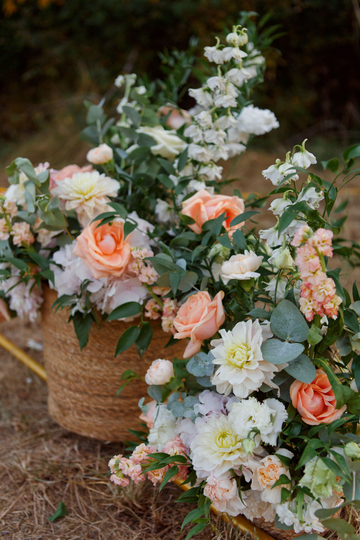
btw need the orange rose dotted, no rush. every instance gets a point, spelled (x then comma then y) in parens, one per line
(316, 401)
(198, 319)
(202, 207)
(103, 249)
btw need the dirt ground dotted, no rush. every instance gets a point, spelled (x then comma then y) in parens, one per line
(42, 464)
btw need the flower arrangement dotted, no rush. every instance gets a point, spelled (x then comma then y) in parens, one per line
(99, 234)
(260, 417)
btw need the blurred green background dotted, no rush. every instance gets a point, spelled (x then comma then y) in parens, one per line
(56, 53)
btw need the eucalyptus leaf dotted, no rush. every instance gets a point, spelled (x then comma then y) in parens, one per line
(279, 352)
(302, 369)
(288, 323)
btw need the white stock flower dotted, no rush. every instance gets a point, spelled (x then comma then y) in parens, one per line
(241, 267)
(24, 299)
(168, 146)
(239, 76)
(224, 494)
(100, 155)
(279, 285)
(160, 372)
(211, 171)
(87, 193)
(288, 514)
(163, 211)
(271, 236)
(204, 119)
(278, 417)
(219, 152)
(278, 206)
(276, 173)
(202, 97)
(194, 133)
(213, 54)
(164, 427)
(311, 196)
(199, 153)
(242, 368)
(215, 136)
(234, 149)
(217, 448)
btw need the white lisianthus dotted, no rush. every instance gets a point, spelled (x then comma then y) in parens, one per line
(303, 158)
(241, 267)
(242, 368)
(281, 258)
(87, 193)
(217, 448)
(268, 417)
(163, 211)
(224, 494)
(289, 515)
(168, 146)
(256, 121)
(100, 155)
(160, 372)
(164, 427)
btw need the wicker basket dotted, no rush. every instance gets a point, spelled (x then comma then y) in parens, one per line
(83, 384)
(279, 534)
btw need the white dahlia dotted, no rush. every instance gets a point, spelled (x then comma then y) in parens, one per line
(217, 448)
(242, 368)
(87, 193)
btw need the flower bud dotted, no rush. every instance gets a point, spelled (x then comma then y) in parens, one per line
(100, 155)
(248, 446)
(281, 258)
(352, 450)
(160, 372)
(220, 252)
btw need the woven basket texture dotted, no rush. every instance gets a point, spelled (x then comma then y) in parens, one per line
(83, 384)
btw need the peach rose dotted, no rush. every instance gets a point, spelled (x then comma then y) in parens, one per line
(198, 319)
(67, 172)
(202, 207)
(148, 418)
(104, 249)
(316, 401)
(100, 155)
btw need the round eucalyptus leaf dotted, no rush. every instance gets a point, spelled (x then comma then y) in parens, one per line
(288, 323)
(302, 369)
(279, 352)
(177, 408)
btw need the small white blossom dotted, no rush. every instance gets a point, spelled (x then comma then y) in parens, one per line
(119, 81)
(199, 153)
(303, 158)
(204, 119)
(202, 97)
(195, 133)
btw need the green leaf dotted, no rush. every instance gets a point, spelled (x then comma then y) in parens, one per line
(314, 336)
(339, 525)
(154, 392)
(18, 263)
(188, 281)
(281, 481)
(259, 313)
(288, 323)
(351, 152)
(170, 473)
(302, 369)
(59, 512)
(129, 309)
(94, 113)
(129, 227)
(166, 181)
(127, 339)
(144, 339)
(169, 168)
(195, 530)
(201, 365)
(195, 514)
(285, 220)
(182, 159)
(40, 260)
(243, 217)
(342, 393)
(332, 165)
(119, 209)
(82, 326)
(239, 239)
(279, 352)
(134, 116)
(26, 166)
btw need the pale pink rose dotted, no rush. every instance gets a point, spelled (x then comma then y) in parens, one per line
(152, 309)
(322, 241)
(4, 230)
(198, 319)
(301, 236)
(148, 418)
(316, 401)
(103, 249)
(241, 267)
(66, 172)
(265, 474)
(22, 234)
(224, 495)
(119, 480)
(100, 155)
(4, 311)
(202, 207)
(160, 372)
(176, 118)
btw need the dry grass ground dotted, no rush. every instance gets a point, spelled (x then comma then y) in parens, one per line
(41, 464)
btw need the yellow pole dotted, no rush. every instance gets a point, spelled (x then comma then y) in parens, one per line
(240, 522)
(23, 357)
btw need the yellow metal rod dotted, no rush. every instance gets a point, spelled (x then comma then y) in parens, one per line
(240, 522)
(23, 357)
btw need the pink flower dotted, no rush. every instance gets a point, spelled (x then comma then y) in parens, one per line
(22, 234)
(301, 236)
(198, 319)
(141, 253)
(167, 324)
(331, 307)
(148, 275)
(152, 309)
(161, 291)
(157, 476)
(224, 495)
(322, 241)
(4, 230)
(141, 452)
(148, 418)
(170, 307)
(119, 480)
(10, 208)
(160, 372)
(100, 155)
(175, 447)
(131, 469)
